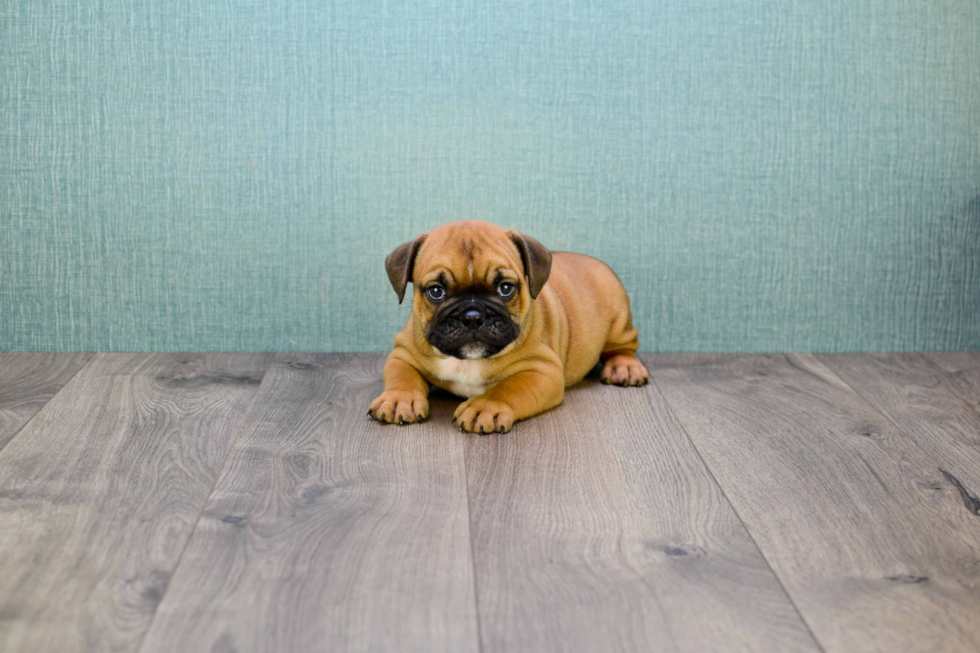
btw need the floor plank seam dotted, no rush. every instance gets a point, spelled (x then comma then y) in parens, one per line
(745, 526)
(204, 505)
(469, 527)
(57, 392)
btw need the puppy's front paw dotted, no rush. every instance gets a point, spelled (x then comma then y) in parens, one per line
(624, 371)
(481, 415)
(399, 407)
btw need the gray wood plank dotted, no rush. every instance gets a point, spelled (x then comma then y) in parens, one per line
(596, 527)
(27, 382)
(869, 539)
(963, 368)
(328, 531)
(100, 491)
(924, 402)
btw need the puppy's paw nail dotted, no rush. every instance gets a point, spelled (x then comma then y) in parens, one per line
(403, 407)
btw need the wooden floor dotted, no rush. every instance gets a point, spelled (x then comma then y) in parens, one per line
(244, 502)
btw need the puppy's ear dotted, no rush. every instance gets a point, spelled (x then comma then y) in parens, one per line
(399, 265)
(536, 259)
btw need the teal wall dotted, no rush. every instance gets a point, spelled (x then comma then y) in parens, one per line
(198, 175)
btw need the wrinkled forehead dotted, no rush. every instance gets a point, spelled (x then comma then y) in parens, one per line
(462, 259)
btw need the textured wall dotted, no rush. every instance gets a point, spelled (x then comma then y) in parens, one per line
(784, 175)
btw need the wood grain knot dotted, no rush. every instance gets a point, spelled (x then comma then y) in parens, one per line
(235, 520)
(152, 595)
(678, 550)
(971, 502)
(908, 579)
(300, 463)
(312, 494)
(203, 380)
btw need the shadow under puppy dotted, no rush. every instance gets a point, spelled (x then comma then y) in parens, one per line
(502, 321)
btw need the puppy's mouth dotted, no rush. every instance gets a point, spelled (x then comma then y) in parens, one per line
(471, 328)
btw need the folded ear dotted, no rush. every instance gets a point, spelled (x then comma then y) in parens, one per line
(399, 265)
(536, 259)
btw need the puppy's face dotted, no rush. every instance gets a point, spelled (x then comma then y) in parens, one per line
(474, 285)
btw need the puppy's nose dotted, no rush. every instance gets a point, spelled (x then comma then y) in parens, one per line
(473, 319)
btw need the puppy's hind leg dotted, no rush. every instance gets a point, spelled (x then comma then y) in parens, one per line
(620, 364)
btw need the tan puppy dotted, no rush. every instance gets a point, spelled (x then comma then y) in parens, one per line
(486, 326)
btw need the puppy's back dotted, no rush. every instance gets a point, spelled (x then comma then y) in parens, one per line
(593, 298)
(587, 282)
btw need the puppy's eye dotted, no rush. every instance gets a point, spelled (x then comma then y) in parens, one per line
(506, 290)
(436, 293)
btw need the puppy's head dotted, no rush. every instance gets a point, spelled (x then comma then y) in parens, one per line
(474, 285)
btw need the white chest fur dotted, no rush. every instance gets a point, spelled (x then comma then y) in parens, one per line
(465, 378)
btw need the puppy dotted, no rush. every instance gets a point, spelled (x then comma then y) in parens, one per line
(502, 321)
